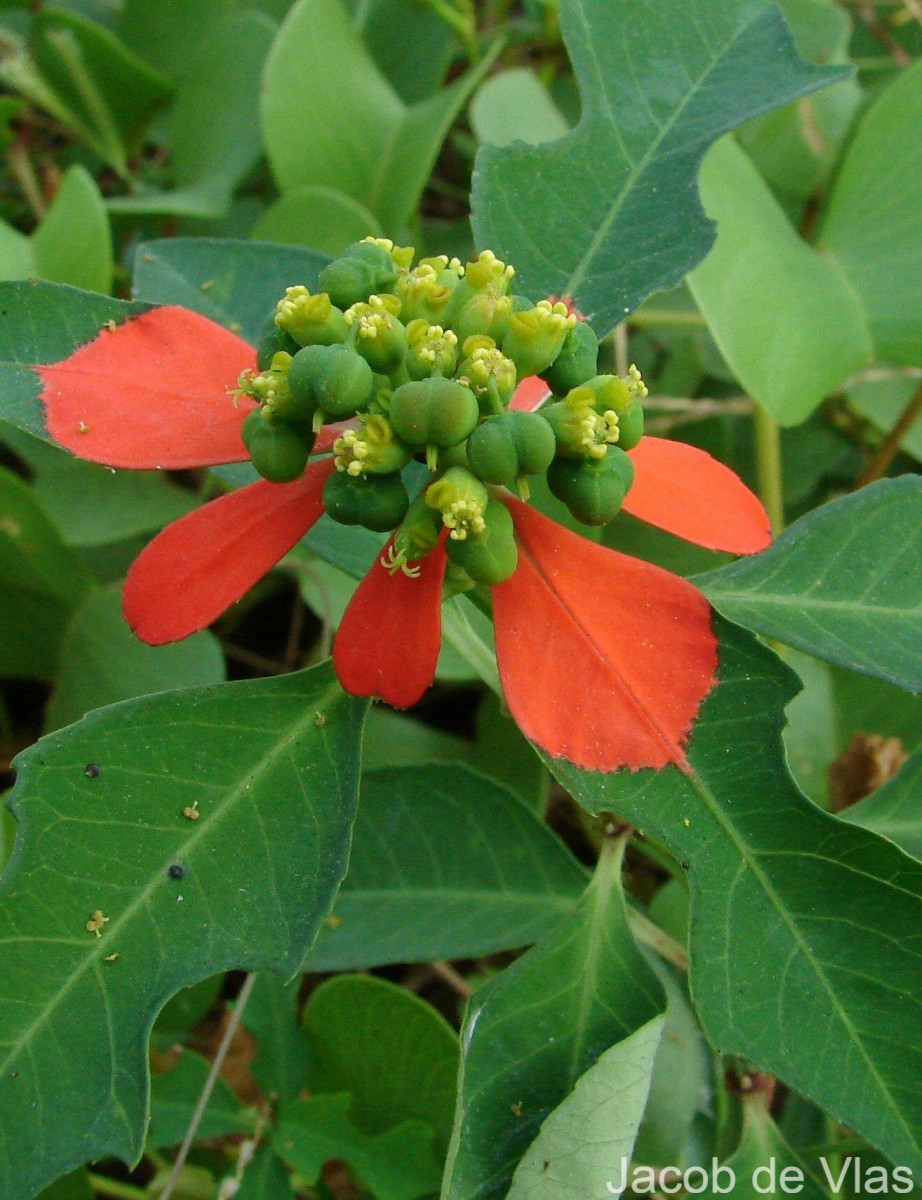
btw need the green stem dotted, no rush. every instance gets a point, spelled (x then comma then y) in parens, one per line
(666, 318)
(113, 1187)
(768, 463)
(649, 934)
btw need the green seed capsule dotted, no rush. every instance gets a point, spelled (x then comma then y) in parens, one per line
(300, 404)
(576, 362)
(278, 450)
(593, 491)
(377, 502)
(271, 341)
(343, 383)
(434, 412)
(363, 269)
(510, 445)
(489, 557)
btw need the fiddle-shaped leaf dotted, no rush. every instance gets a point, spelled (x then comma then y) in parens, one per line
(609, 213)
(128, 882)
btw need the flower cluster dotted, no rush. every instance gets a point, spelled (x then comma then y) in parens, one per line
(604, 659)
(424, 360)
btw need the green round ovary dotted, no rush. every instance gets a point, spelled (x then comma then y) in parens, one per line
(363, 269)
(433, 412)
(593, 491)
(332, 378)
(489, 557)
(503, 448)
(378, 502)
(279, 451)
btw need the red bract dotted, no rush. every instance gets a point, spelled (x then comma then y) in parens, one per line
(604, 659)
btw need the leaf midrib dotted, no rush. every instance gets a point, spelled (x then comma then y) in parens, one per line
(579, 271)
(560, 899)
(751, 861)
(205, 826)
(802, 600)
(602, 887)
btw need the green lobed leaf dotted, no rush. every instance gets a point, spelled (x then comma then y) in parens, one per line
(785, 318)
(10, 107)
(331, 118)
(42, 582)
(806, 956)
(864, 704)
(810, 743)
(834, 705)
(393, 739)
(43, 323)
(236, 283)
(580, 1144)
(875, 233)
(554, 1013)
(74, 1022)
(280, 1065)
(609, 213)
(843, 583)
(390, 1051)
(445, 864)
(174, 1096)
(102, 662)
(398, 1164)
(895, 810)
